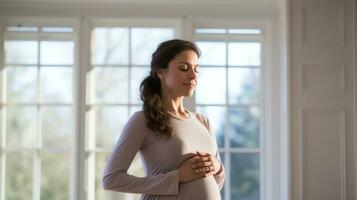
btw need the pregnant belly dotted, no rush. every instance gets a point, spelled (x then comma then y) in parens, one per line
(200, 189)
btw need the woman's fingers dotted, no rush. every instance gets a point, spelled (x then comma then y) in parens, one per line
(203, 163)
(205, 170)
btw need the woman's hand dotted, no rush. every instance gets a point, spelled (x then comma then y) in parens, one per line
(205, 164)
(186, 173)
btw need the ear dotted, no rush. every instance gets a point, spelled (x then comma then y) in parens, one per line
(160, 73)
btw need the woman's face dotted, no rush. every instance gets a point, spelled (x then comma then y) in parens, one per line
(180, 77)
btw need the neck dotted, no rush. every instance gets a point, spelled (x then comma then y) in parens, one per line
(173, 104)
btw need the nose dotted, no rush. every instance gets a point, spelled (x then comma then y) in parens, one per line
(192, 74)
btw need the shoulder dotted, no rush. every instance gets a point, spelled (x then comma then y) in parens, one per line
(137, 121)
(137, 116)
(203, 119)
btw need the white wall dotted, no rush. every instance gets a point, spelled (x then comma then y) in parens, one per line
(323, 99)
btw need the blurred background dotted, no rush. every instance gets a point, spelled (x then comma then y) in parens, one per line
(70, 76)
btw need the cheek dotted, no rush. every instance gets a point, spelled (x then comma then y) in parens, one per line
(175, 80)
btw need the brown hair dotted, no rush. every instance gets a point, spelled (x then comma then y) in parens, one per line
(157, 119)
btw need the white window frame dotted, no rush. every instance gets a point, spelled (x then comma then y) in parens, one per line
(274, 157)
(37, 21)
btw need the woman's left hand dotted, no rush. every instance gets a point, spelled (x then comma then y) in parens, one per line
(205, 163)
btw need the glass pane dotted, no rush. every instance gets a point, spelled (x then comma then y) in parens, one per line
(216, 116)
(18, 176)
(137, 75)
(243, 85)
(57, 53)
(210, 30)
(55, 176)
(244, 54)
(21, 123)
(213, 53)
(109, 123)
(56, 84)
(244, 127)
(110, 46)
(21, 84)
(111, 84)
(57, 29)
(144, 42)
(245, 177)
(211, 79)
(21, 52)
(57, 126)
(100, 193)
(244, 31)
(22, 29)
(136, 167)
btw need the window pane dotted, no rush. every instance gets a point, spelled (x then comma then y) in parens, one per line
(216, 116)
(57, 52)
(100, 193)
(210, 80)
(55, 176)
(144, 42)
(21, 84)
(137, 75)
(22, 29)
(210, 30)
(111, 84)
(56, 84)
(244, 54)
(21, 52)
(109, 123)
(21, 126)
(243, 85)
(245, 177)
(244, 31)
(213, 53)
(19, 176)
(57, 29)
(244, 127)
(57, 126)
(110, 46)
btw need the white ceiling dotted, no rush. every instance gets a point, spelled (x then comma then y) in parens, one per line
(208, 7)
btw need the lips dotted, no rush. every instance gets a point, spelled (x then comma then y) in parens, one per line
(190, 84)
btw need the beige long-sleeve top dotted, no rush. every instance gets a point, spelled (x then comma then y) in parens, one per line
(161, 158)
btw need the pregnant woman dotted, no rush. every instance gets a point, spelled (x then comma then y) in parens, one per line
(177, 146)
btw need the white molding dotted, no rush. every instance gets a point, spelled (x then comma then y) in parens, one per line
(341, 73)
(166, 9)
(354, 19)
(2, 116)
(302, 24)
(342, 144)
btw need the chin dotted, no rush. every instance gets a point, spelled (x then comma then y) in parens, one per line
(189, 93)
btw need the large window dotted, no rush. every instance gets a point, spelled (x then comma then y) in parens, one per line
(228, 92)
(46, 126)
(37, 112)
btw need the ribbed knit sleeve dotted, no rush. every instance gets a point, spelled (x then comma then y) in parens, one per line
(115, 176)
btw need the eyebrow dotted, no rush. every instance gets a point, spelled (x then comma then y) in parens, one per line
(189, 63)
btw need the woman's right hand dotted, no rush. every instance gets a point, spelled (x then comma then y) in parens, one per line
(187, 173)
